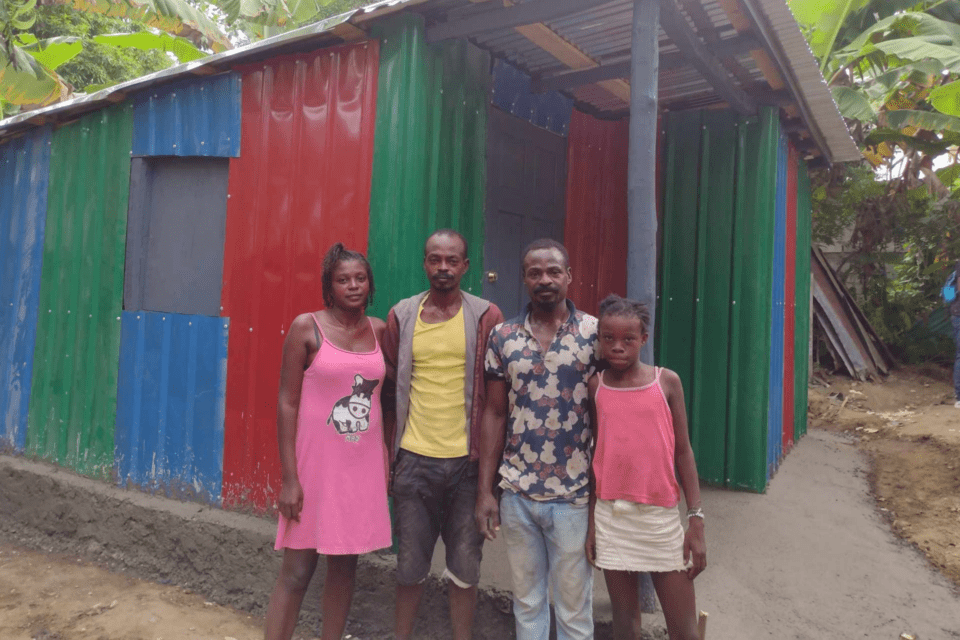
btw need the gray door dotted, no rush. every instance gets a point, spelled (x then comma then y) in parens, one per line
(526, 186)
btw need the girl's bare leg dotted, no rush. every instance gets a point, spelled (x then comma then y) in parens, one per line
(338, 594)
(284, 609)
(679, 603)
(624, 590)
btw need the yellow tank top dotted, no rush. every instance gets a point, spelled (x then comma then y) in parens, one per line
(437, 420)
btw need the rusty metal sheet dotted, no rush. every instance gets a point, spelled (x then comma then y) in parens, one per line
(596, 227)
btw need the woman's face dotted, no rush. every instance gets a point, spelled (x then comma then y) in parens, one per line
(350, 285)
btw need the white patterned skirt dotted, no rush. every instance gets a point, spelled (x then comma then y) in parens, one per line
(638, 537)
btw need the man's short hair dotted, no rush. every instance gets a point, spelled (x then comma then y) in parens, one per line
(449, 233)
(547, 243)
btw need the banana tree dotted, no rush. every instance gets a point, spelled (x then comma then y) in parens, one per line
(28, 77)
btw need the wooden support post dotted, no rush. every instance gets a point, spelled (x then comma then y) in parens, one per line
(642, 163)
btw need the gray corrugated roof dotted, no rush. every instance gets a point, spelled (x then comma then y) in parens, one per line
(602, 32)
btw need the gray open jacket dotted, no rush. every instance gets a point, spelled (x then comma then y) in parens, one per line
(479, 318)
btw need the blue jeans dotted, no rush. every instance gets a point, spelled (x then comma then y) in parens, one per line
(956, 358)
(545, 543)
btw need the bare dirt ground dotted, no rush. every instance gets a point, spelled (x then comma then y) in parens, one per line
(910, 429)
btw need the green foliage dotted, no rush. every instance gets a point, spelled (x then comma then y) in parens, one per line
(147, 41)
(97, 64)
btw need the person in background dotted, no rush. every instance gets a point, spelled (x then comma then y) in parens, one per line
(333, 500)
(536, 433)
(642, 445)
(435, 343)
(955, 318)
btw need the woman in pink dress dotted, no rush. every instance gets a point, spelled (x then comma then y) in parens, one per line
(333, 500)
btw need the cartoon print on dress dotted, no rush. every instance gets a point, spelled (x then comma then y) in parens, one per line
(351, 414)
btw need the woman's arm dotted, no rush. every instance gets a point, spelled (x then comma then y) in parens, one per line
(591, 546)
(294, 362)
(693, 543)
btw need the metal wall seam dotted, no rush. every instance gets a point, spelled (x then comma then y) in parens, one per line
(197, 117)
(24, 176)
(775, 400)
(301, 184)
(595, 232)
(170, 403)
(790, 304)
(802, 338)
(711, 340)
(678, 255)
(73, 395)
(429, 166)
(751, 304)
(511, 92)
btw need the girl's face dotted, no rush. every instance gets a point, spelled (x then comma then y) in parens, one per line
(621, 338)
(350, 285)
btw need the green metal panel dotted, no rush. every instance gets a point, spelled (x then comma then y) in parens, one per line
(429, 155)
(676, 308)
(802, 337)
(74, 394)
(711, 357)
(752, 299)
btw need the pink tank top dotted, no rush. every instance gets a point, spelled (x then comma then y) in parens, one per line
(635, 445)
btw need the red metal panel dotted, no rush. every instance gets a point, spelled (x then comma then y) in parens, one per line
(596, 227)
(302, 182)
(790, 302)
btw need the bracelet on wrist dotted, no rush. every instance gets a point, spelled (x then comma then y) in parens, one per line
(695, 513)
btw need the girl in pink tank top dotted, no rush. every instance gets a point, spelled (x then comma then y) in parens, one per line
(642, 445)
(330, 430)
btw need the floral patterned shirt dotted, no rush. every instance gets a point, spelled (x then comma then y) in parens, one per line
(547, 453)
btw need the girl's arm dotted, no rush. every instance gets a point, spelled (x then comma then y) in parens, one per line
(591, 545)
(290, 501)
(693, 542)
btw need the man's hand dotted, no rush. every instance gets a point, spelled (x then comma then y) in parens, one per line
(694, 547)
(488, 515)
(591, 546)
(290, 502)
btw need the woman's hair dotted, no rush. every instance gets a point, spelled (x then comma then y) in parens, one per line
(335, 255)
(614, 305)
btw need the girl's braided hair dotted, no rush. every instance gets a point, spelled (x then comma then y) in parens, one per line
(614, 305)
(335, 255)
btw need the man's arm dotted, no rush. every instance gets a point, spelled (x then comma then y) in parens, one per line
(389, 346)
(493, 432)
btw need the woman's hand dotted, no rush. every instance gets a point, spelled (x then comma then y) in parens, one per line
(695, 548)
(591, 545)
(290, 502)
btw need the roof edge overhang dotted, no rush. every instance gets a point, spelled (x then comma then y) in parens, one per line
(818, 110)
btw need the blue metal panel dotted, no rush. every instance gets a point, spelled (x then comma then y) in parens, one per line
(24, 175)
(775, 400)
(199, 117)
(170, 403)
(511, 92)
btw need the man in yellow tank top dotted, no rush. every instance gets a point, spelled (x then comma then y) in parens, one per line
(434, 346)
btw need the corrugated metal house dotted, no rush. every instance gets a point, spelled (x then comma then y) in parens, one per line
(160, 235)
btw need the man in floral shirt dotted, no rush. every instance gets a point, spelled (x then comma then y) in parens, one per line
(536, 434)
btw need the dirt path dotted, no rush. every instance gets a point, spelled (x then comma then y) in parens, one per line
(53, 597)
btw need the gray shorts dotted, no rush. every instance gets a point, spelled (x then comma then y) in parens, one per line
(436, 497)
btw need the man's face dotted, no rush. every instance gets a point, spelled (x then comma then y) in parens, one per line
(444, 263)
(546, 277)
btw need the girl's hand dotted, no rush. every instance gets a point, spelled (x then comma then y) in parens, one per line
(591, 546)
(695, 548)
(290, 502)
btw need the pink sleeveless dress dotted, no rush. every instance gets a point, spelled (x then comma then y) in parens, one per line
(341, 456)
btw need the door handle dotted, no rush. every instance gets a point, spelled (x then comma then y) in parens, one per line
(491, 276)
